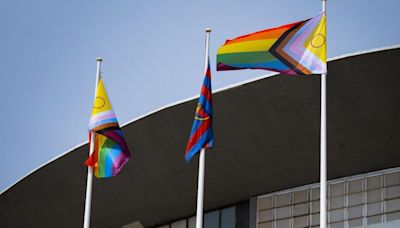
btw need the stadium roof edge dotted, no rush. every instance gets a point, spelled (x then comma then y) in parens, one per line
(194, 97)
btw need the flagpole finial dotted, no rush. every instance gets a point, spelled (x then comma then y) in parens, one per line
(99, 59)
(208, 30)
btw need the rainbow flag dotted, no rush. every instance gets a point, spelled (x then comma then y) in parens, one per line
(110, 149)
(201, 135)
(294, 49)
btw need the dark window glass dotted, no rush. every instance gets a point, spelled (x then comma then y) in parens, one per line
(228, 217)
(211, 219)
(242, 215)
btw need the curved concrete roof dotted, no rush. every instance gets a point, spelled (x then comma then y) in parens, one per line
(266, 139)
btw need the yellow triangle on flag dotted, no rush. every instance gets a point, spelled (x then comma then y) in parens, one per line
(316, 43)
(101, 101)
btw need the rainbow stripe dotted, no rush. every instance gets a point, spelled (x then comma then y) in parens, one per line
(294, 49)
(201, 135)
(110, 149)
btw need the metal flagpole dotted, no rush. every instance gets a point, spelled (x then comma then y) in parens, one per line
(88, 200)
(323, 148)
(200, 190)
(202, 158)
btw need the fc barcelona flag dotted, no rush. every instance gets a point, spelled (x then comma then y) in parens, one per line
(201, 135)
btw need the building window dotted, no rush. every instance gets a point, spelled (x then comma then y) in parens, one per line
(231, 217)
(358, 201)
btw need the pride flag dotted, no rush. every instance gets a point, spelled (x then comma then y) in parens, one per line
(201, 135)
(294, 49)
(110, 149)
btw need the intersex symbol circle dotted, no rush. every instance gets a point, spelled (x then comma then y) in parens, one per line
(99, 102)
(318, 40)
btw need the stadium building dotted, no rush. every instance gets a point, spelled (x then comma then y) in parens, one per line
(263, 170)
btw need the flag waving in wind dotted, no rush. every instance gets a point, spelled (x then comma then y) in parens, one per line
(294, 49)
(201, 135)
(110, 149)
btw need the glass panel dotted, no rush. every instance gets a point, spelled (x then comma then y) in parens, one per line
(282, 212)
(265, 203)
(393, 216)
(192, 222)
(301, 221)
(285, 223)
(336, 215)
(355, 212)
(336, 190)
(228, 217)
(314, 219)
(300, 209)
(315, 207)
(392, 179)
(315, 194)
(242, 215)
(283, 200)
(364, 198)
(374, 219)
(355, 186)
(374, 209)
(211, 219)
(179, 224)
(265, 216)
(300, 197)
(265, 225)
(336, 225)
(355, 223)
(373, 182)
(355, 199)
(336, 202)
(374, 196)
(392, 192)
(393, 205)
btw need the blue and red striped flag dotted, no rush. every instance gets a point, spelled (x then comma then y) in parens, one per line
(201, 135)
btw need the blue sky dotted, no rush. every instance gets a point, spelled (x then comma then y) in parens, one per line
(153, 55)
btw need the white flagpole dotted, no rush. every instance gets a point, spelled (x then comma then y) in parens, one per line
(88, 200)
(323, 148)
(200, 190)
(202, 158)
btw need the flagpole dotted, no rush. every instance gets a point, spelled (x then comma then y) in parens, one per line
(323, 148)
(200, 190)
(88, 200)
(202, 157)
